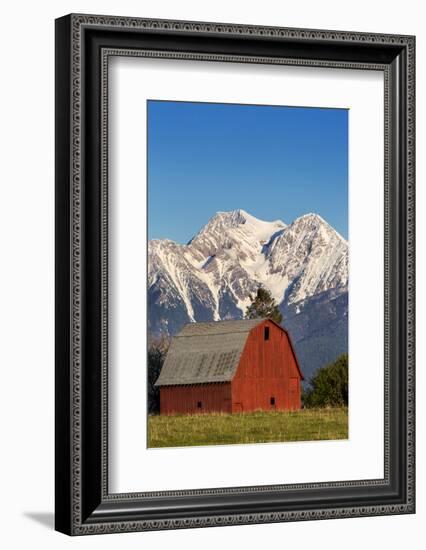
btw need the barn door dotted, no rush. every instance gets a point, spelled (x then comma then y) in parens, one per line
(293, 400)
(238, 407)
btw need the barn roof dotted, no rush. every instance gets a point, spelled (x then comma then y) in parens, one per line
(206, 352)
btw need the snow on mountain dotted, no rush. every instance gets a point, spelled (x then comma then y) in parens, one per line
(175, 287)
(236, 230)
(213, 276)
(308, 258)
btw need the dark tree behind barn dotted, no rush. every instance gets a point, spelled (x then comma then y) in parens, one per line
(157, 351)
(263, 306)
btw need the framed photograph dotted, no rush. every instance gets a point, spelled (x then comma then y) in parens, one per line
(234, 274)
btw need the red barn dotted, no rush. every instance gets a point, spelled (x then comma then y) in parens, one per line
(230, 366)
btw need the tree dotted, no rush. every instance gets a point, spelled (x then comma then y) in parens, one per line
(263, 306)
(157, 351)
(329, 385)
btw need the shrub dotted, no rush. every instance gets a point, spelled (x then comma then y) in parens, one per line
(328, 387)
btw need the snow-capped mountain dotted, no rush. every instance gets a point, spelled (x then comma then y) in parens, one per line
(304, 265)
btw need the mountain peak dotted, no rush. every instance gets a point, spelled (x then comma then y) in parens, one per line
(239, 216)
(311, 216)
(235, 229)
(233, 217)
(312, 220)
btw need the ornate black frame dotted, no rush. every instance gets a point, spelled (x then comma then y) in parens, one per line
(83, 46)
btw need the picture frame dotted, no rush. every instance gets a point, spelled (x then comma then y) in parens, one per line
(83, 503)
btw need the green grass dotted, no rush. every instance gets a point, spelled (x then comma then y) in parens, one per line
(256, 427)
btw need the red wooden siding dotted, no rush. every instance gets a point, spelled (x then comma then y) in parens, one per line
(267, 377)
(185, 399)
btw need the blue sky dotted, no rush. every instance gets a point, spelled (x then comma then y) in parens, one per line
(273, 162)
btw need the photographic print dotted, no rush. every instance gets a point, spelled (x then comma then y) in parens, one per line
(232, 203)
(248, 272)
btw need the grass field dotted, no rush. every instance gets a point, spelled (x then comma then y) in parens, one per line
(256, 427)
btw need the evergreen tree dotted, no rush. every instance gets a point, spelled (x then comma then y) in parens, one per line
(329, 385)
(263, 306)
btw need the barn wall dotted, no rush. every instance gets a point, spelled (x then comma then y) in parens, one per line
(184, 399)
(267, 369)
